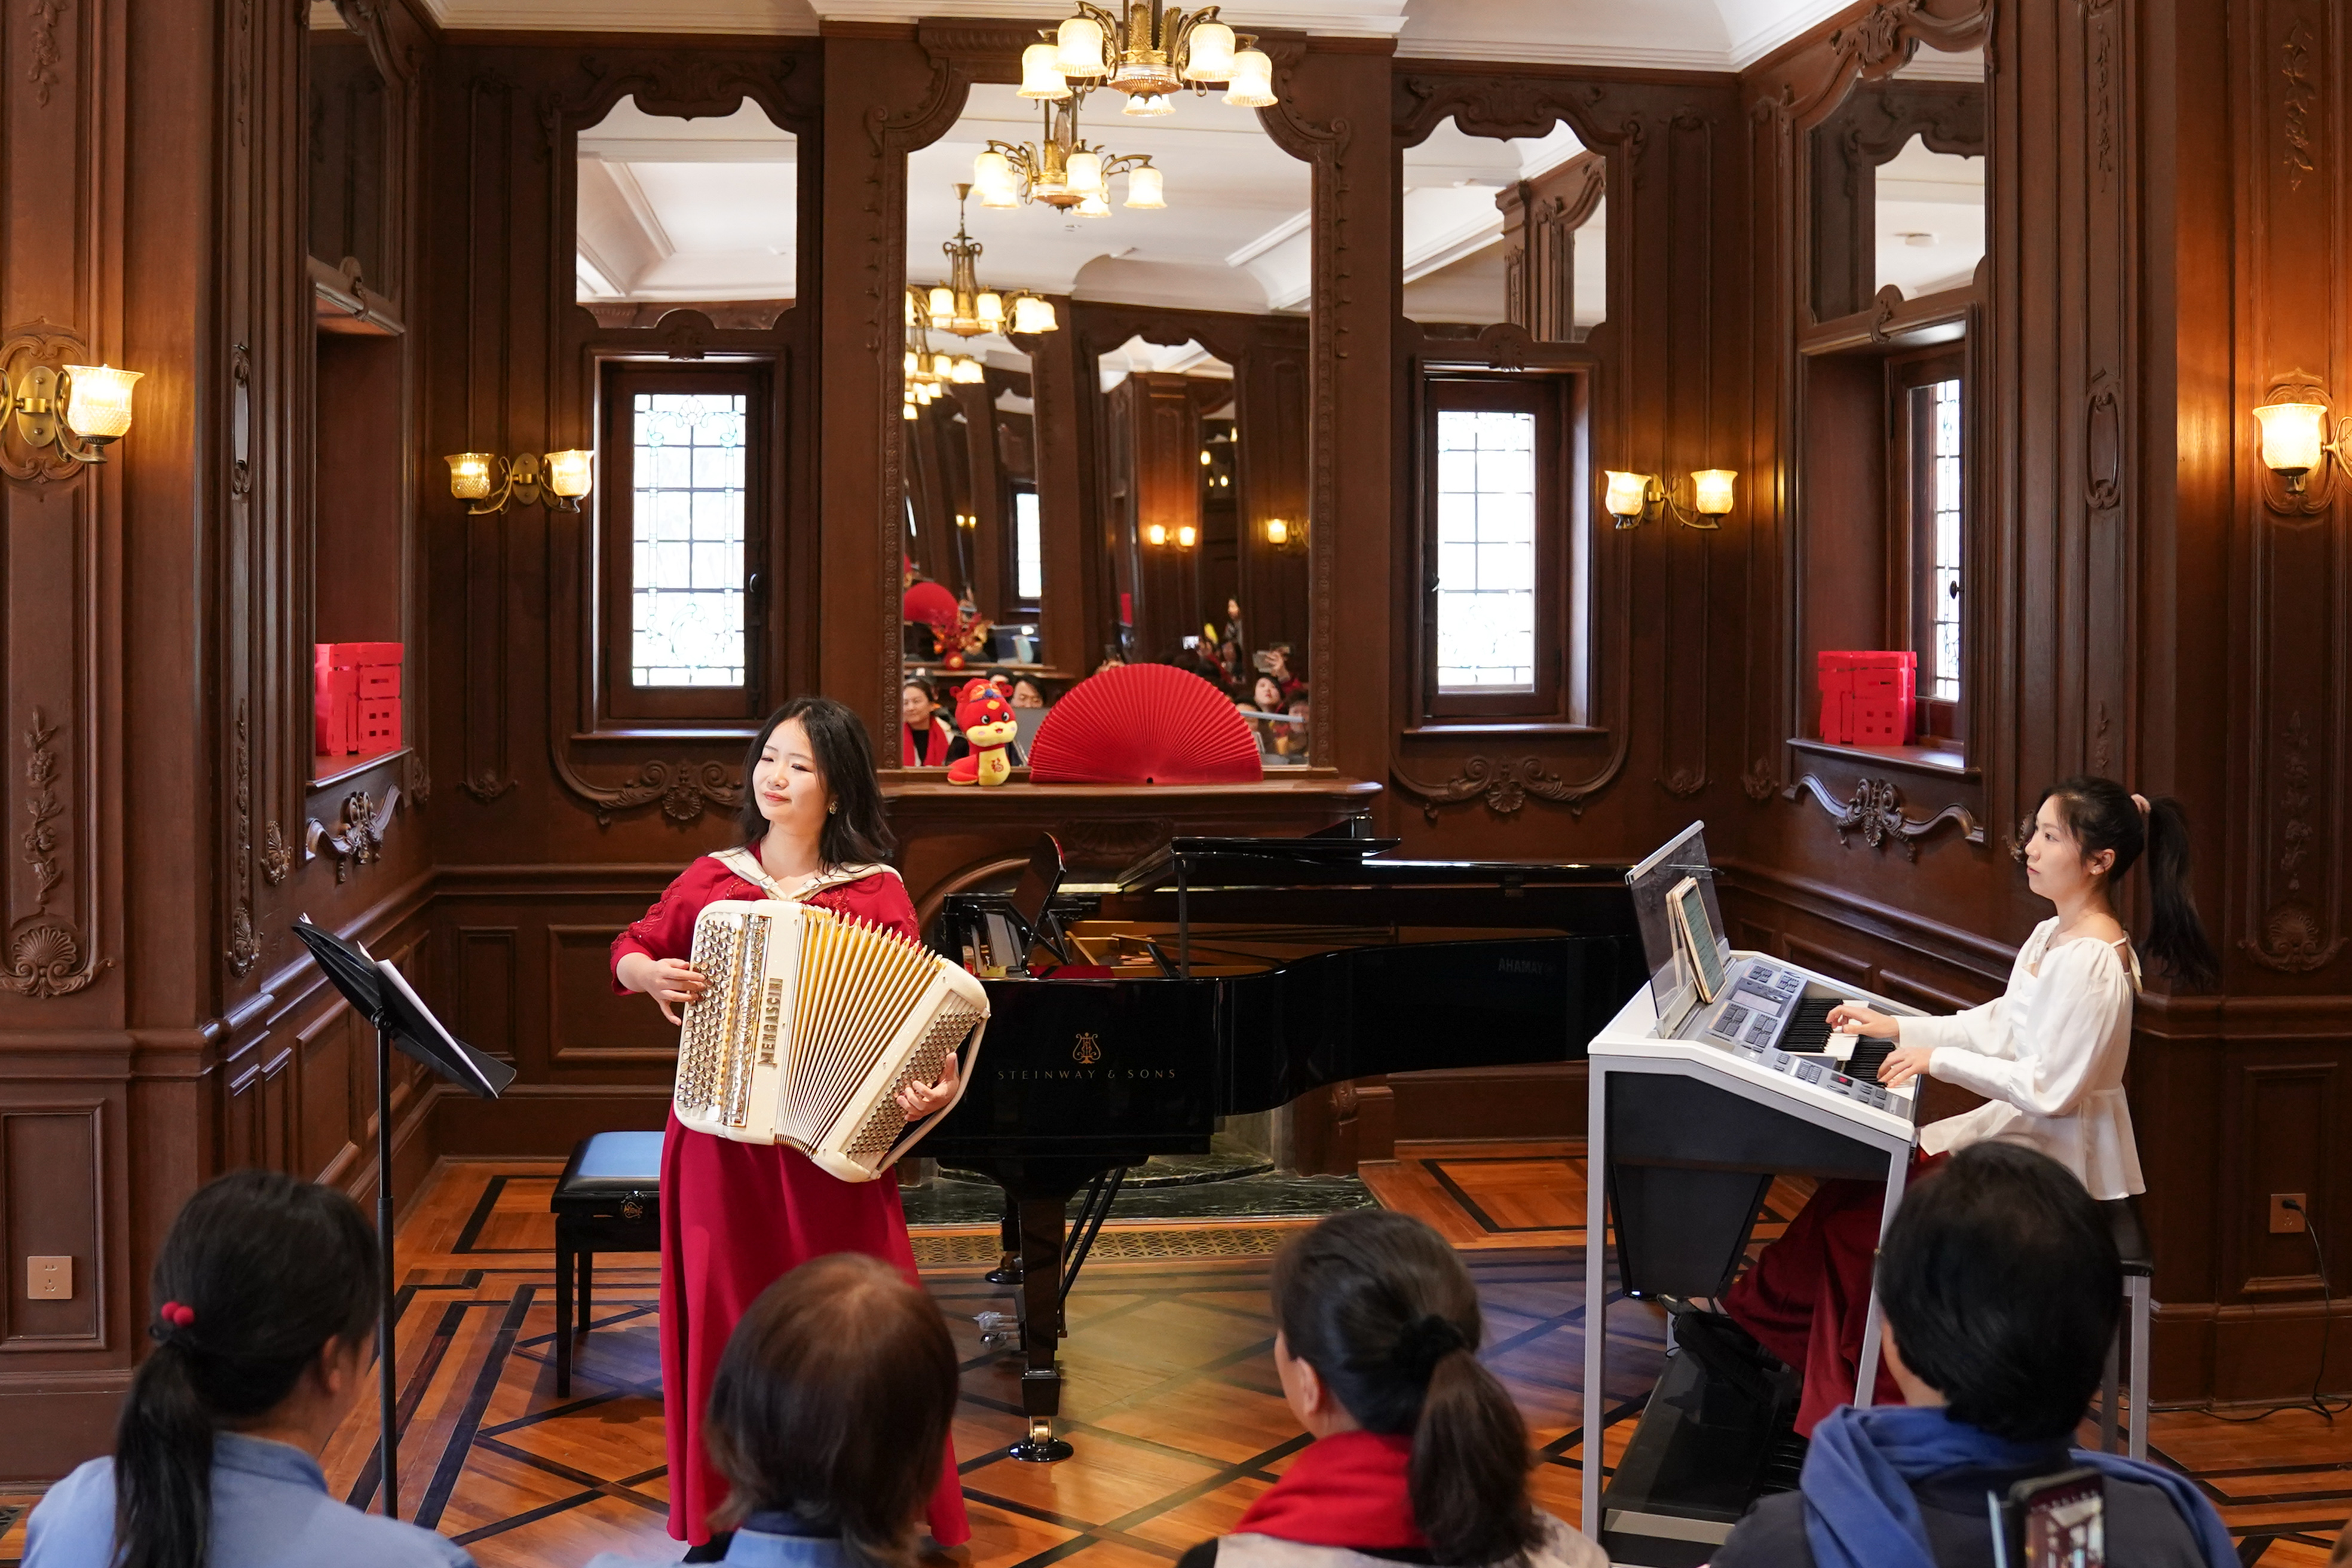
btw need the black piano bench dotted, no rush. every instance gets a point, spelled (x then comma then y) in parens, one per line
(607, 1200)
(2139, 1272)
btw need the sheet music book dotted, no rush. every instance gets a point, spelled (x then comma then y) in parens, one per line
(378, 991)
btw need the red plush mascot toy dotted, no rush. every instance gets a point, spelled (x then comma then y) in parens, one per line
(987, 721)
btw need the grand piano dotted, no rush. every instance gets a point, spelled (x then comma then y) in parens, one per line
(1219, 977)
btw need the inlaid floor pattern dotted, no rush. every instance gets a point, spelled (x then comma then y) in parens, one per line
(1171, 1401)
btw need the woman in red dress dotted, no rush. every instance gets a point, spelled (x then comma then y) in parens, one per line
(738, 1217)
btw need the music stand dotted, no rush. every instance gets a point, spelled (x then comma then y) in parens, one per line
(381, 993)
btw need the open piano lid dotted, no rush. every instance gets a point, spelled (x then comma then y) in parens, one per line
(1246, 862)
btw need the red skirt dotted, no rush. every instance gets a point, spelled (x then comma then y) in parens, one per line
(737, 1217)
(1807, 1300)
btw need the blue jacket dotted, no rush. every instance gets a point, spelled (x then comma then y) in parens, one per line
(766, 1541)
(271, 1509)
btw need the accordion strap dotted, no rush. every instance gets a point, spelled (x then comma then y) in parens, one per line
(746, 865)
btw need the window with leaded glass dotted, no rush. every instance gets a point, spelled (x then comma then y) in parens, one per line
(681, 492)
(1932, 461)
(1494, 457)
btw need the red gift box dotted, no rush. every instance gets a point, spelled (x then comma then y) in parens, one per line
(1868, 697)
(355, 696)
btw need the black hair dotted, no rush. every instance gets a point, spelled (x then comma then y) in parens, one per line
(833, 1402)
(2001, 1280)
(2101, 815)
(258, 1272)
(1382, 1309)
(857, 834)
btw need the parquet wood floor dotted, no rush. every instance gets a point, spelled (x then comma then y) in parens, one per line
(1171, 1404)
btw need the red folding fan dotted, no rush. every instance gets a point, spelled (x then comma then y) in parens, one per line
(931, 605)
(1144, 724)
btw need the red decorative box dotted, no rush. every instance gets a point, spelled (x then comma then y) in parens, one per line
(355, 694)
(1868, 697)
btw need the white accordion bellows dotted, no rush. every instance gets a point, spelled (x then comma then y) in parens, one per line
(811, 1024)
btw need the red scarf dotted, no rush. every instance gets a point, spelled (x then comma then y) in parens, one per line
(1351, 1489)
(935, 746)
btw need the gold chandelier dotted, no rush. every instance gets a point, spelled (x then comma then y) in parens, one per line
(962, 307)
(1151, 54)
(1063, 169)
(928, 375)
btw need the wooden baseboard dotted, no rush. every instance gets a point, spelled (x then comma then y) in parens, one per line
(542, 1118)
(2236, 1355)
(56, 1423)
(1488, 1102)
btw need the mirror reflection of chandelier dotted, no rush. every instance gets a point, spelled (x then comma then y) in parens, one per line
(1063, 169)
(1150, 56)
(962, 307)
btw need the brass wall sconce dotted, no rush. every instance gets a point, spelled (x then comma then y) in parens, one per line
(75, 411)
(1635, 499)
(555, 480)
(2295, 441)
(1281, 534)
(1159, 535)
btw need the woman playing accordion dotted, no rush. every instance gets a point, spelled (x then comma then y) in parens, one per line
(736, 1217)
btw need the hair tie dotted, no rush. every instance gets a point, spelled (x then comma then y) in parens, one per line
(1425, 1343)
(2141, 800)
(171, 1316)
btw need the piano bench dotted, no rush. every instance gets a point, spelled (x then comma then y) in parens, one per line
(2139, 1272)
(607, 1200)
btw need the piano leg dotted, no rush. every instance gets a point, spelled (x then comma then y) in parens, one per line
(1040, 1192)
(1008, 1264)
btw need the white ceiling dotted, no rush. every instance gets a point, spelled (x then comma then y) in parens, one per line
(687, 209)
(1701, 34)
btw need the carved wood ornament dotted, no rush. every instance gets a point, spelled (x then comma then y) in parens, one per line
(358, 837)
(1876, 813)
(46, 955)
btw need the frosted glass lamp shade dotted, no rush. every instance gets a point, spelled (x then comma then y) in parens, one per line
(1209, 55)
(470, 474)
(1156, 533)
(1277, 532)
(1094, 206)
(1187, 536)
(569, 473)
(992, 177)
(1712, 491)
(2291, 434)
(1041, 74)
(1032, 315)
(98, 409)
(989, 308)
(1145, 188)
(1147, 106)
(1080, 49)
(1628, 493)
(1085, 173)
(1251, 84)
(942, 305)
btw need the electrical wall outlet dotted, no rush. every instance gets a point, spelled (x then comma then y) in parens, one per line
(2285, 1221)
(49, 1279)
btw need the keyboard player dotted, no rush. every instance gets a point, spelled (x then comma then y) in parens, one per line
(2048, 1055)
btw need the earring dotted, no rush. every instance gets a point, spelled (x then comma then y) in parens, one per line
(831, 807)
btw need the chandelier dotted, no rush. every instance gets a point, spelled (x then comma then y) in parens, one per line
(961, 306)
(1150, 56)
(1063, 169)
(928, 375)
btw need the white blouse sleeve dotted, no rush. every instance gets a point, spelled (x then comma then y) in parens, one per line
(1983, 1030)
(2073, 1018)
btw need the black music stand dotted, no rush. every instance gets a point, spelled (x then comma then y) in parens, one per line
(381, 993)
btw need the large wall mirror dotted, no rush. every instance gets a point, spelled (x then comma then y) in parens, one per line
(1890, 462)
(1503, 232)
(1129, 483)
(703, 213)
(351, 136)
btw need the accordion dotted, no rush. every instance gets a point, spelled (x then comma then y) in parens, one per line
(811, 1024)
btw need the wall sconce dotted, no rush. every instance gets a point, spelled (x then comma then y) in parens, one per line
(1635, 499)
(2295, 440)
(77, 410)
(1281, 534)
(1187, 536)
(967, 519)
(555, 480)
(1156, 533)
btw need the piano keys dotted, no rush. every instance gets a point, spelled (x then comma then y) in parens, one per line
(1220, 977)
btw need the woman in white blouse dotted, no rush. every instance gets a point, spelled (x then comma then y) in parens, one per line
(2048, 1055)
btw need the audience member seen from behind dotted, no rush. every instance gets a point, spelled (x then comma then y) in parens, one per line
(1419, 1454)
(267, 1293)
(2000, 1288)
(828, 1419)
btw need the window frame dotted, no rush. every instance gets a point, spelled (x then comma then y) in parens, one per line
(621, 701)
(1911, 565)
(1557, 399)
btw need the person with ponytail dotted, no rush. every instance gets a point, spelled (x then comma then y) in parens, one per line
(2047, 1055)
(1419, 1454)
(266, 1292)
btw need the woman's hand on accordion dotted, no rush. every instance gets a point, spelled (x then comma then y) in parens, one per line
(918, 1101)
(665, 980)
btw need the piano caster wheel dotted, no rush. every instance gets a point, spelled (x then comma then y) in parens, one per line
(1007, 1272)
(1041, 1446)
